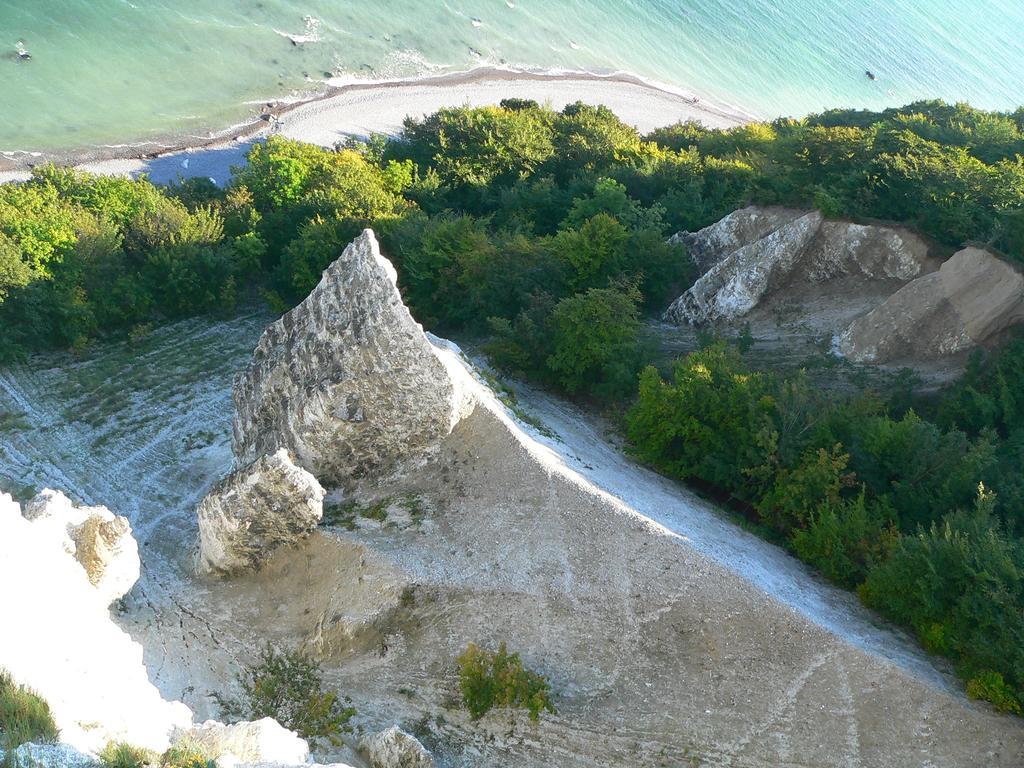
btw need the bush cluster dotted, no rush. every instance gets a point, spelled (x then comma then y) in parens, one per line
(893, 505)
(490, 679)
(288, 687)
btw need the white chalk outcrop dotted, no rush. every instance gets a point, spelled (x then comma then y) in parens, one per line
(346, 381)
(394, 748)
(346, 384)
(261, 741)
(99, 540)
(59, 638)
(754, 252)
(252, 512)
(970, 300)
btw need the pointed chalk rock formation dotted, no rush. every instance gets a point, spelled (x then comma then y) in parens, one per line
(973, 297)
(347, 381)
(268, 504)
(753, 252)
(347, 386)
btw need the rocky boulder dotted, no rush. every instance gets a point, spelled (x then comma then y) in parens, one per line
(971, 299)
(262, 741)
(99, 540)
(346, 381)
(394, 748)
(265, 505)
(49, 756)
(754, 252)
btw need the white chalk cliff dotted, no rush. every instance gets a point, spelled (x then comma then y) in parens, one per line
(62, 642)
(754, 252)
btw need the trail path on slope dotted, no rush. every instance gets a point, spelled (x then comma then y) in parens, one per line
(583, 443)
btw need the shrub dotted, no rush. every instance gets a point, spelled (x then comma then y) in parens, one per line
(595, 338)
(24, 716)
(990, 686)
(707, 423)
(184, 756)
(287, 686)
(491, 679)
(846, 538)
(960, 585)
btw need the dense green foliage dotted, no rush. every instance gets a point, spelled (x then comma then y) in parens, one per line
(543, 235)
(288, 686)
(24, 716)
(490, 679)
(891, 504)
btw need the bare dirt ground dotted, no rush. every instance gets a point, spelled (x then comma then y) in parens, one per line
(671, 636)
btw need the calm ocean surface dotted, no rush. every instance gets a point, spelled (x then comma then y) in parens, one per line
(112, 71)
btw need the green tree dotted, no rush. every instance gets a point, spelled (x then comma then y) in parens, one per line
(595, 339)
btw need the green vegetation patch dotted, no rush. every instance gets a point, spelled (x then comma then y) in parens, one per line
(121, 755)
(489, 679)
(24, 716)
(288, 686)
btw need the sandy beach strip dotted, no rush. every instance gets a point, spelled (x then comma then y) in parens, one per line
(359, 109)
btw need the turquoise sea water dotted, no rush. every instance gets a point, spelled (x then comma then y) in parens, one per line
(112, 71)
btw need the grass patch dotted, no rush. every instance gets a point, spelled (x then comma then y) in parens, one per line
(413, 504)
(340, 515)
(346, 515)
(201, 439)
(126, 756)
(24, 716)
(120, 755)
(12, 422)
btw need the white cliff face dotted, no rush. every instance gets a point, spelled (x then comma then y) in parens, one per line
(252, 512)
(735, 285)
(346, 381)
(971, 299)
(59, 638)
(100, 541)
(754, 252)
